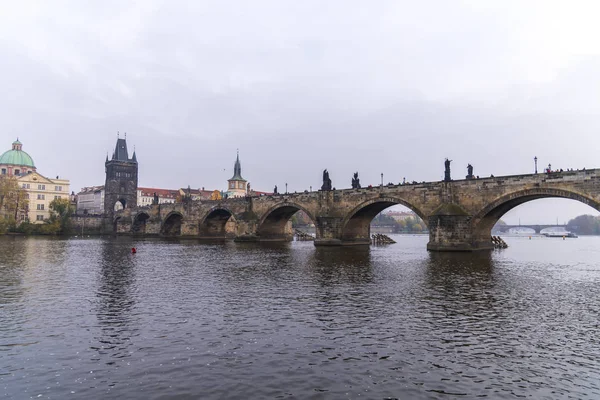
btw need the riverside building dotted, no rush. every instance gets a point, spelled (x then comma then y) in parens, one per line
(40, 190)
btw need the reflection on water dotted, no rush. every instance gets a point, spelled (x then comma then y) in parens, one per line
(331, 266)
(189, 319)
(114, 301)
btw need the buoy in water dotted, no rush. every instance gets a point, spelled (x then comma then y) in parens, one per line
(133, 250)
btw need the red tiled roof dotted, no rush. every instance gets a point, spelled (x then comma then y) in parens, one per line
(164, 193)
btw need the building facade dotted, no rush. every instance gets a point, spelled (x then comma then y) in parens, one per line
(90, 200)
(145, 196)
(401, 215)
(40, 190)
(40, 193)
(199, 194)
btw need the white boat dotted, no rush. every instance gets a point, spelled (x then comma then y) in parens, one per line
(560, 234)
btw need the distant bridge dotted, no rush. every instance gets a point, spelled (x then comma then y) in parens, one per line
(459, 214)
(536, 228)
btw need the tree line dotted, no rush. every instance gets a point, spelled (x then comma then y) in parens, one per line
(406, 225)
(584, 225)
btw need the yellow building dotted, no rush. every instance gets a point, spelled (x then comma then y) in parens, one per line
(40, 190)
(40, 193)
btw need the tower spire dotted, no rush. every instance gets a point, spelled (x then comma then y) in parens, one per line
(237, 168)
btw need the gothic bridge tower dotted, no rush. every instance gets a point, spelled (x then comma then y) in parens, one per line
(120, 188)
(237, 185)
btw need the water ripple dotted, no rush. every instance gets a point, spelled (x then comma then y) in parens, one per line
(86, 318)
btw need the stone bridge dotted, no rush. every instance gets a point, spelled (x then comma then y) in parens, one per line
(459, 214)
(535, 227)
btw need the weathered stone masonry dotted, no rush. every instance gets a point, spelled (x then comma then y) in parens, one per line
(460, 214)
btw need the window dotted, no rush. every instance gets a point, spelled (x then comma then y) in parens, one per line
(39, 217)
(41, 187)
(17, 171)
(56, 197)
(40, 206)
(58, 188)
(3, 171)
(41, 197)
(24, 186)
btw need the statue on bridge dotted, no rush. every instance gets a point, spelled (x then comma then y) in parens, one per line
(154, 199)
(355, 181)
(447, 170)
(326, 181)
(187, 196)
(275, 190)
(470, 172)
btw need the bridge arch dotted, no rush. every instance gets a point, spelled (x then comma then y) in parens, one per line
(214, 222)
(139, 223)
(356, 226)
(171, 225)
(484, 220)
(271, 225)
(120, 204)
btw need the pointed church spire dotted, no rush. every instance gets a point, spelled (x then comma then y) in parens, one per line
(237, 169)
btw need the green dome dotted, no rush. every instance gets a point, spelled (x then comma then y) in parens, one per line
(16, 156)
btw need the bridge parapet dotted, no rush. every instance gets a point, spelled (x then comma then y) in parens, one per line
(460, 214)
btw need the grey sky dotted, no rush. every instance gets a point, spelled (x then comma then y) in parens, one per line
(368, 86)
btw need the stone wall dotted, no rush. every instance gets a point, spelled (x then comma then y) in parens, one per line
(88, 225)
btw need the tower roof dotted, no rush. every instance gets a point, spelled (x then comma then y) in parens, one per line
(121, 153)
(237, 170)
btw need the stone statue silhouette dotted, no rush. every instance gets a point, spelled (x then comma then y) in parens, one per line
(275, 190)
(447, 170)
(355, 181)
(470, 172)
(326, 181)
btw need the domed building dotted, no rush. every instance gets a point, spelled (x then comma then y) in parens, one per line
(16, 162)
(40, 190)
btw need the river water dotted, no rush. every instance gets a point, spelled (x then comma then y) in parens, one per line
(84, 318)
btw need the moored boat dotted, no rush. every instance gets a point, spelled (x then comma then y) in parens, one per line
(560, 234)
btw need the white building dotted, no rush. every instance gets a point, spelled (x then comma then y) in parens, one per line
(90, 200)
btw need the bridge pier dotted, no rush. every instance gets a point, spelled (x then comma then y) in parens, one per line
(328, 229)
(450, 229)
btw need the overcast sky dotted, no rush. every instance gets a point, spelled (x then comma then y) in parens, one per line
(376, 86)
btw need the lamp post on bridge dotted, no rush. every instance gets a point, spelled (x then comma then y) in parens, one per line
(382, 179)
(535, 161)
(286, 188)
